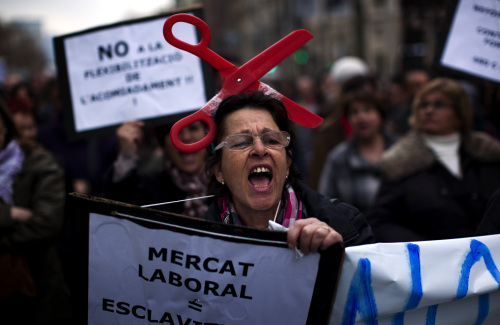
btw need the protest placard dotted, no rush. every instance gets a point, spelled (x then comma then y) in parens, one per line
(137, 265)
(472, 44)
(127, 71)
(443, 282)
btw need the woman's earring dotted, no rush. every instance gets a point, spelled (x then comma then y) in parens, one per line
(223, 182)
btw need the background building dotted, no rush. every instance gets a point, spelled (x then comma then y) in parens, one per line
(390, 35)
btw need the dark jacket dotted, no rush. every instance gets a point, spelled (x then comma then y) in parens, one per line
(149, 186)
(490, 224)
(40, 188)
(341, 216)
(349, 176)
(420, 199)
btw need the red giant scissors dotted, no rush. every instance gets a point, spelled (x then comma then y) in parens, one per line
(235, 80)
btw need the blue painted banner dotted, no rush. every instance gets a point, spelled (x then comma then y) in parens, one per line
(435, 282)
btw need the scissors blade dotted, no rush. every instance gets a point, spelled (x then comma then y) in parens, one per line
(257, 67)
(301, 115)
(296, 113)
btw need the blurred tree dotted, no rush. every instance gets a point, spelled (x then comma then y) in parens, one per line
(21, 52)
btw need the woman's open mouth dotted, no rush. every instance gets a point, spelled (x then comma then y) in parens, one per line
(260, 177)
(188, 157)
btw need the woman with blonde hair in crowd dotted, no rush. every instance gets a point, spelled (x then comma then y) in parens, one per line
(438, 178)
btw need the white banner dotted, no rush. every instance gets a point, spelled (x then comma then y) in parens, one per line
(473, 43)
(434, 282)
(129, 72)
(139, 275)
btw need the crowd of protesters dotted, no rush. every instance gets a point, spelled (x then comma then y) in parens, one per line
(418, 154)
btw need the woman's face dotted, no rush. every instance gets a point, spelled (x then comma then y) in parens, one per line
(187, 162)
(364, 119)
(436, 115)
(256, 176)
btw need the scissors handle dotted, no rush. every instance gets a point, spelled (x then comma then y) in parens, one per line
(181, 124)
(201, 49)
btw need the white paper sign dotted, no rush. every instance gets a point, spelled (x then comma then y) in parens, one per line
(473, 43)
(139, 275)
(129, 72)
(443, 282)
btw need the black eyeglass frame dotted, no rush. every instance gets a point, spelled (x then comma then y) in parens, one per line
(226, 144)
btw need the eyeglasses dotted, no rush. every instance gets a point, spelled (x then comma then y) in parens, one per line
(244, 141)
(437, 105)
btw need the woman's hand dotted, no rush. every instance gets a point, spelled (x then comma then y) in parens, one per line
(313, 235)
(20, 214)
(130, 135)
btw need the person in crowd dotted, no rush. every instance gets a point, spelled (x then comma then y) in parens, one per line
(32, 194)
(50, 103)
(394, 92)
(490, 109)
(26, 124)
(490, 223)
(335, 128)
(84, 161)
(11, 80)
(438, 177)
(347, 67)
(325, 92)
(255, 179)
(20, 99)
(351, 171)
(20, 106)
(400, 111)
(171, 176)
(307, 97)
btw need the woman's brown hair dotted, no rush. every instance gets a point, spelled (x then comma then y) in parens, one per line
(455, 94)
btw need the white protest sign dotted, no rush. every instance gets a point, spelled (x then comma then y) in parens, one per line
(128, 72)
(473, 43)
(435, 282)
(141, 275)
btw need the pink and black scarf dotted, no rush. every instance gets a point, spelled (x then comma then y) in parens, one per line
(293, 209)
